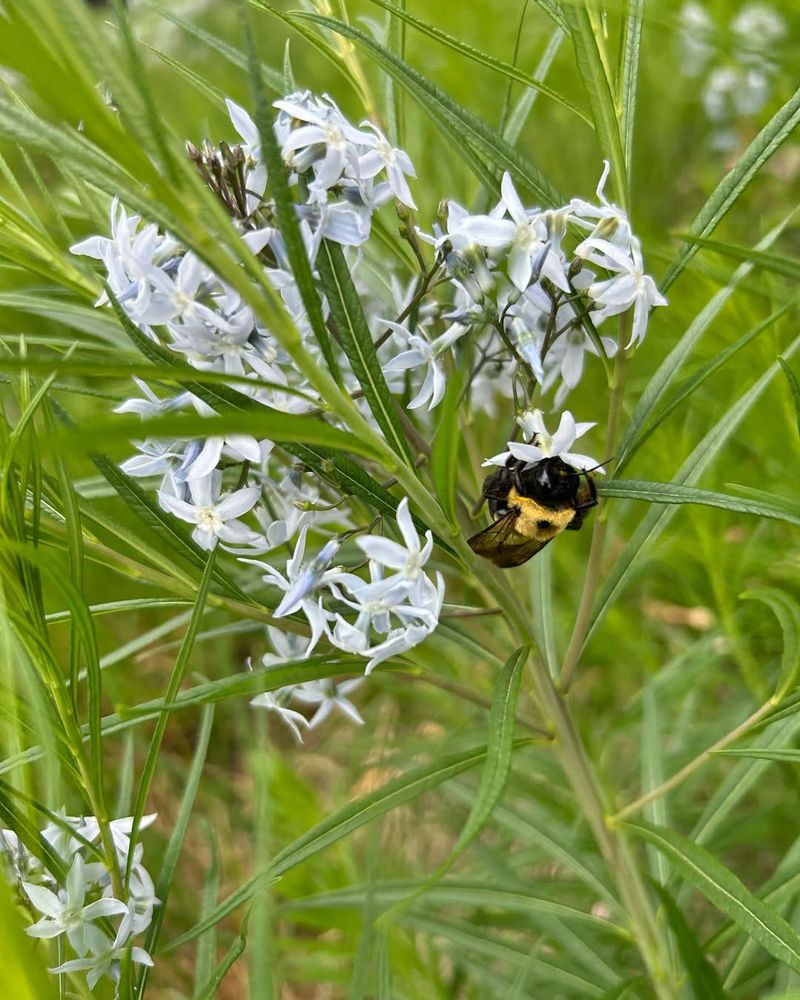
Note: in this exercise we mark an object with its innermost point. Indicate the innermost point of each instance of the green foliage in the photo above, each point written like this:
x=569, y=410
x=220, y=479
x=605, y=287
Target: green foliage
x=480, y=836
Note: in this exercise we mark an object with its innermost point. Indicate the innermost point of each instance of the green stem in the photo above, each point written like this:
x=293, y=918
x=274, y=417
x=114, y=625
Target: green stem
x=680, y=776
x=613, y=843
x=592, y=578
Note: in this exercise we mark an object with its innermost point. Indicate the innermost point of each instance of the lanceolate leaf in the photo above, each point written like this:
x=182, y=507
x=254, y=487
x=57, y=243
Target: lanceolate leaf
x=726, y=891
x=261, y=422
x=628, y=73
x=356, y=341
x=699, y=377
x=794, y=385
x=704, y=978
x=343, y=822
x=675, y=493
x=789, y=267
x=598, y=90
x=669, y=368
x=787, y=611
x=655, y=520
x=445, y=451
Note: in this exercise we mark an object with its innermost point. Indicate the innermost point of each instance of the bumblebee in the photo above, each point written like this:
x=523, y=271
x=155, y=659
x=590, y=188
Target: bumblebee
x=531, y=504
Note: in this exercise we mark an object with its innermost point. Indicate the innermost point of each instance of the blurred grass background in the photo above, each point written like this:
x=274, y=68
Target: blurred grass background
x=679, y=646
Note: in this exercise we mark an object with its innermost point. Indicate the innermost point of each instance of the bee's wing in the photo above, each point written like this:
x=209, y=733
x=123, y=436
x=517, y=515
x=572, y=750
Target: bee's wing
x=502, y=543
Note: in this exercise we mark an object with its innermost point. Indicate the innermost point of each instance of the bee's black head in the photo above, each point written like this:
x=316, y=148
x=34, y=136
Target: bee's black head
x=550, y=481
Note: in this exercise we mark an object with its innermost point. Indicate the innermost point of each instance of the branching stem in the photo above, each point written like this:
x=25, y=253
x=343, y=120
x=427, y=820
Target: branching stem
x=680, y=776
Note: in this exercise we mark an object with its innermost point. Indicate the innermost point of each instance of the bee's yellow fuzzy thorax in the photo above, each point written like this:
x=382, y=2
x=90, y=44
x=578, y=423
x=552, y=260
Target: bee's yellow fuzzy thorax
x=536, y=521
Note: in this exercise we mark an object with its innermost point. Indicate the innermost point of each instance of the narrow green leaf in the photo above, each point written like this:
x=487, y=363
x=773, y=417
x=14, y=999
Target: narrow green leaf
x=476, y=942
x=794, y=385
x=784, y=755
x=687, y=388
x=210, y=989
x=555, y=10
x=15, y=819
x=445, y=450
x=164, y=524
x=669, y=368
x=768, y=141
x=285, y=210
x=173, y=688
x=247, y=684
x=704, y=978
x=598, y=90
x=209, y=92
x=271, y=77
x=790, y=506
x=742, y=780
x=341, y=823
x=455, y=119
x=656, y=519
x=482, y=58
x=261, y=422
x=315, y=39
x=543, y=609
x=778, y=263
x=628, y=73
x=675, y=493
x=151, y=121
x=356, y=341
x=499, y=746
x=518, y=117
x=207, y=944
x=653, y=775
x=494, y=775
x=174, y=846
x=787, y=611
x=506, y=898
x=726, y=891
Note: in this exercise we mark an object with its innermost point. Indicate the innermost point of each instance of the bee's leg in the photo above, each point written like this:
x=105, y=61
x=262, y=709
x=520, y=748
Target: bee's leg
x=577, y=521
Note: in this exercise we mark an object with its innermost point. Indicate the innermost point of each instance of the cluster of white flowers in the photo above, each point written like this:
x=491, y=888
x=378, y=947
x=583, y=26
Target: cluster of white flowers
x=515, y=294
x=379, y=618
x=737, y=75
x=77, y=908
x=516, y=284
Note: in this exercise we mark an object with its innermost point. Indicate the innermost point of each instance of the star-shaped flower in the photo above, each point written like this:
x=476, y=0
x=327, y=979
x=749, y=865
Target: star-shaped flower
x=548, y=445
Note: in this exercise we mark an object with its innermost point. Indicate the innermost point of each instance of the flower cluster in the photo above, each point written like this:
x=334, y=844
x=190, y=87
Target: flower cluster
x=83, y=909
x=379, y=618
x=516, y=286
x=513, y=296
x=737, y=84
